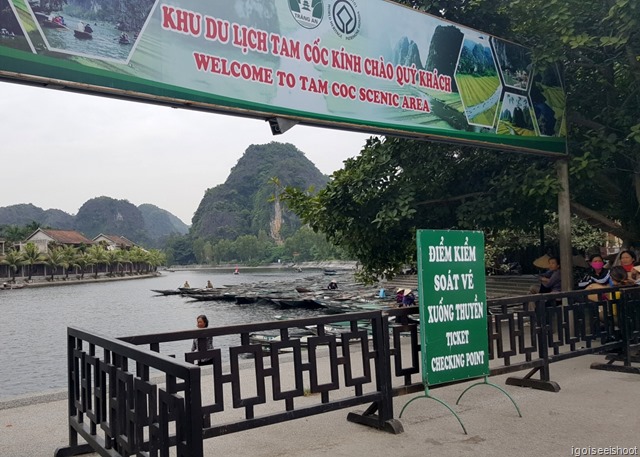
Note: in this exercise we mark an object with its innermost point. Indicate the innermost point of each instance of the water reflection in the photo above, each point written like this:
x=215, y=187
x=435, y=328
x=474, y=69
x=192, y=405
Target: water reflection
x=105, y=41
x=34, y=321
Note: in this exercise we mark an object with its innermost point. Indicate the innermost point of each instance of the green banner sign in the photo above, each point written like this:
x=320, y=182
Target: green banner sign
x=453, y=310
x=353, y=64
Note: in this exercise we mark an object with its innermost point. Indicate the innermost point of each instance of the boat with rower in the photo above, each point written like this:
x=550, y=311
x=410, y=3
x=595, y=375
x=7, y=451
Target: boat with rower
x=82, y=35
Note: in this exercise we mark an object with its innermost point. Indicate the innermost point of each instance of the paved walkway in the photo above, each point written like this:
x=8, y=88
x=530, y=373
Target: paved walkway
x=593, y=409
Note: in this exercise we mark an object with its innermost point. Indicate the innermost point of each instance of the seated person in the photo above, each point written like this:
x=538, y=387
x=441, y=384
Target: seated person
x=627, y=260
x=620, y=277
x=332, y=285
x=597, y=274
x=550, y=280
x=408, y=299
x=399, y=296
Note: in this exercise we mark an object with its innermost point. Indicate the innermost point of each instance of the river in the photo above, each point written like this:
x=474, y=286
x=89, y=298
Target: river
x=34, y=321
x=104, y=42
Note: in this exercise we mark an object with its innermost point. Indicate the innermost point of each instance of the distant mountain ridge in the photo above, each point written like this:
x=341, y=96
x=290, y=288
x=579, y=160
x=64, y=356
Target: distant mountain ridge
x=26, y=213
x=146, y=224
x=244, y=204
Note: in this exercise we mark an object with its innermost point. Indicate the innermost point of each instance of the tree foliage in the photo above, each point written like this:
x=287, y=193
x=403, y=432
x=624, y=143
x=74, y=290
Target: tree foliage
x=597, y=45
x=373, y=206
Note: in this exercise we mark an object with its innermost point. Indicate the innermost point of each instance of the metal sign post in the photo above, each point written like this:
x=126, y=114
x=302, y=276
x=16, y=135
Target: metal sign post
x=453, y=310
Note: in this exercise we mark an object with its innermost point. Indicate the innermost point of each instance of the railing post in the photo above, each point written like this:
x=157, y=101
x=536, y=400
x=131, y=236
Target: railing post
x=542, y=336
x=384, y=406
x=627, y=307
x=194, y=402
x=73, y=448
x=383, y=372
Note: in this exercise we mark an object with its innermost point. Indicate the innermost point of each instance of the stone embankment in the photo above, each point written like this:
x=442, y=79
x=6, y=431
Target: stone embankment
x=46, y=282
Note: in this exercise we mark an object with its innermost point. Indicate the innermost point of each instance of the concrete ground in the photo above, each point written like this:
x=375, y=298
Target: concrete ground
x=594, y=409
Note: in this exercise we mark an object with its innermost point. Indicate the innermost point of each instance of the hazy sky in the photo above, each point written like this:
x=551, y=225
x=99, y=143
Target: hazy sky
x=60, y=149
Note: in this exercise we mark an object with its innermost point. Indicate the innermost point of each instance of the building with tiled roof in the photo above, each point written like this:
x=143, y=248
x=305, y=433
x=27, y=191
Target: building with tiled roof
x=43, y=238
x=113, y=242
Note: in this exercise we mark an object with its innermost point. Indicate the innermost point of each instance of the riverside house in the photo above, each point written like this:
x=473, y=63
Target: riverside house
x=46, y=238
x=113, y=242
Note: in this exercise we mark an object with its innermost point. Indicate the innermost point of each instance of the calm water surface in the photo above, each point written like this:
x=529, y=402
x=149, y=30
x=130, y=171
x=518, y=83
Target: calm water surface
x=34, y=321
x=103, y=44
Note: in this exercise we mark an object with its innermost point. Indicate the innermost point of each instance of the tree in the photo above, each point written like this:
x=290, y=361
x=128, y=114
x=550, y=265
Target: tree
x=115, y=260
x=83, y=261
x=307, y=245
x=155, y=258
x=224, y=251
x=246, y=248
x=137, y=256
x=598, y=45
x=13, y=259
x=373, y=206
x=55, y=259
x=180, y=250
x=15, y=234
x=70, y=255
x=97, y=256
x=31, y=255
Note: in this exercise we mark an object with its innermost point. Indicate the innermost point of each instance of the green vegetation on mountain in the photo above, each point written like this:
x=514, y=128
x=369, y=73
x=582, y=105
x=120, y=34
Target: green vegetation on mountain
x=244, y=220
x=147, y=224
x=245, y=204
x=160, y=223
x=24, y=214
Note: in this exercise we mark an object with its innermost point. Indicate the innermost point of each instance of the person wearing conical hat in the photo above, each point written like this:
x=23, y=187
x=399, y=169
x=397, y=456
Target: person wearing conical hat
x=409, y=299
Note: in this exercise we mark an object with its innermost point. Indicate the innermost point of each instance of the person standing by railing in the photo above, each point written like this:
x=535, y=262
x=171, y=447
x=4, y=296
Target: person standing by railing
x=202, y=322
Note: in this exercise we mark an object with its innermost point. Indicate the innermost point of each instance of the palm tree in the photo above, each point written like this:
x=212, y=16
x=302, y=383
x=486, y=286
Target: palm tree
x=114, y=258
x=83, y=261
x=125, y=258
x=156, y=258
x=14, y=233
x=70, y=254
x=137, y=256
x=13, y=259
x=97, y=255
x=54, y=259
x=31, y=255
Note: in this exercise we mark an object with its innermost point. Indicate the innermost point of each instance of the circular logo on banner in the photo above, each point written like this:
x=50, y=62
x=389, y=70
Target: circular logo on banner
x=345, y=18
x=307, y=13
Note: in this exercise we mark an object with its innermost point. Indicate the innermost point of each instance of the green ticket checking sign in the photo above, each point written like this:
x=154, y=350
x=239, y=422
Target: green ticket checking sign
x=453, y=309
